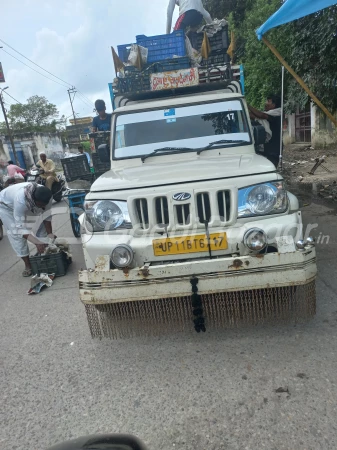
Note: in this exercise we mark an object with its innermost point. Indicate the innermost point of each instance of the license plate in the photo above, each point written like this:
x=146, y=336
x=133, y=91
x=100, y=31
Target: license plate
x=190, y=244
x=31, y=179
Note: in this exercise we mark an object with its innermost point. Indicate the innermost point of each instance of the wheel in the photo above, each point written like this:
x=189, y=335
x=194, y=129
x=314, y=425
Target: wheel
x=75, y=225
x=1, y=231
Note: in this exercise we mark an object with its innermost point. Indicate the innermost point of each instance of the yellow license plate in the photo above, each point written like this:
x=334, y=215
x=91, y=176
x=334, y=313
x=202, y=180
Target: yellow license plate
x=190, y=244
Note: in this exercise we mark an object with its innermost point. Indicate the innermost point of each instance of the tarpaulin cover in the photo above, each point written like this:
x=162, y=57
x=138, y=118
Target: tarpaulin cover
x=292, y=10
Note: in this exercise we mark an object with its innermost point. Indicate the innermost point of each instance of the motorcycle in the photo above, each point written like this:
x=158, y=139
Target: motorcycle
x=58, y=188
x=106, y=442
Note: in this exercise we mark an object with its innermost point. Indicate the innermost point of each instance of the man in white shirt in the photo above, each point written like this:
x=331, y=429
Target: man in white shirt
x=191, y=14
x=18, y=204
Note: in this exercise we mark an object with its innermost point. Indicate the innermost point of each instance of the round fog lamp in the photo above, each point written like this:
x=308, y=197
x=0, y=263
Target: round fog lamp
x=122, y=256
x=255, y=240
x=300, y=245
x=311, y=241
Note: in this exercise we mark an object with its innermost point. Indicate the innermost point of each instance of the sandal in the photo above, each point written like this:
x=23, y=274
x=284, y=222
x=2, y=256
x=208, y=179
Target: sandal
x=27, y=273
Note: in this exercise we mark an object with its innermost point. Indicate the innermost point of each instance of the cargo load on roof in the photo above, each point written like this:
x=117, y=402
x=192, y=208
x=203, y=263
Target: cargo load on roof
x=173, y=61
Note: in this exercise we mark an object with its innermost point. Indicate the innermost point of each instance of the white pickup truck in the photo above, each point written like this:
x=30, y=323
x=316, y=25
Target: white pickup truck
x=191, y=229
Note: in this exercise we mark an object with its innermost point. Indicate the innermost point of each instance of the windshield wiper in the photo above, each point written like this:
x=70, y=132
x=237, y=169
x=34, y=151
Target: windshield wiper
x=223, y=141
x=171, y=150
x=174, y=150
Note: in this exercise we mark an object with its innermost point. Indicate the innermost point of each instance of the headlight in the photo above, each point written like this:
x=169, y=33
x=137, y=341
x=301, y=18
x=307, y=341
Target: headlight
x=107, y=215
x=263, y=199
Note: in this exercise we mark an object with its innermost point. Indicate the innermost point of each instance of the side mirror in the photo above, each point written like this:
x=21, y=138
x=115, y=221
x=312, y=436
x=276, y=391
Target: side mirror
x=106, y=442
x=260, y=135
x=103, y=152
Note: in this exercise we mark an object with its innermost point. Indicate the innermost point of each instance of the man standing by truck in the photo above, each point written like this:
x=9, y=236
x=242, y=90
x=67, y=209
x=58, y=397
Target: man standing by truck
x=272, y=114
x=191, y=14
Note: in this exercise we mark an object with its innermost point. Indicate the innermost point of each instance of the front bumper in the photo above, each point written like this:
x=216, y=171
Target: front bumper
x=228, y=274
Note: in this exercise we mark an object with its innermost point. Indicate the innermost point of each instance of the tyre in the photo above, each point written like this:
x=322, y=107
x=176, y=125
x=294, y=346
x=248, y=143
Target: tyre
x=1, y=231
x=75, y=225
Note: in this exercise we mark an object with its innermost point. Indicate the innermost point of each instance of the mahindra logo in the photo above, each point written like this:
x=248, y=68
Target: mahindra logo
x=182, y=197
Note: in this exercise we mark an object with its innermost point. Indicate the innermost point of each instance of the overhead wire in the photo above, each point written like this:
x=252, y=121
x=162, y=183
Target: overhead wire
x=50, y=73
x=85, y=100
x=42, y=68
x=33, y=69
x=17, y=101
x=86, y=103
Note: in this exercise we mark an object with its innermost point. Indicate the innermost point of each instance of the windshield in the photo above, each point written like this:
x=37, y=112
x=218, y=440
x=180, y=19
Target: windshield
x=142, y=133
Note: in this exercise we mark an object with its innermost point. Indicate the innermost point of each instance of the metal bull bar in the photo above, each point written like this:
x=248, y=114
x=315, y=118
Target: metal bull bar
x=160, y=300
x=227, y=309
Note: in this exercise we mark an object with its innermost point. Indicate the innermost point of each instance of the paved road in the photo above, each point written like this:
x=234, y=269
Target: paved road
x=214, y=392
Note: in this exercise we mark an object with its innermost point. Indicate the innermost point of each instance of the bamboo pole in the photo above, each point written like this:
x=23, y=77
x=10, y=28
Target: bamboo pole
x=282, y=116
x=300, y=81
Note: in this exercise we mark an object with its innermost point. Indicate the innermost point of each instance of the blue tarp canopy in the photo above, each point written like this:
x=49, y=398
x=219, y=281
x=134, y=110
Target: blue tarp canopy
x=292, y=10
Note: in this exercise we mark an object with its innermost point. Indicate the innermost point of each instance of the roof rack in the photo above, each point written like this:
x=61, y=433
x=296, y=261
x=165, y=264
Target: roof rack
x=229, y=85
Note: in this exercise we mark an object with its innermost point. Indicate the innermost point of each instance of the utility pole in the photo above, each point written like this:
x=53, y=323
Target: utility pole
x=70, y=92
x=8, y=128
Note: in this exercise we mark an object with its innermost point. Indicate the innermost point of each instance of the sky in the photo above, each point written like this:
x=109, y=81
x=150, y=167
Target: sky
x=72, y=39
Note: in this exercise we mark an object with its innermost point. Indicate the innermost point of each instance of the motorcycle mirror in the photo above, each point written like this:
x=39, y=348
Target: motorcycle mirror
x=102, y=442
x=104, y=153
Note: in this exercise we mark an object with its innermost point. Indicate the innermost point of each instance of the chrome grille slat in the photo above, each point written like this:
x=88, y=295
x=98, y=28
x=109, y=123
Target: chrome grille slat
x=161, y=211
x=204, y=207
x=224, y=205
x=183, y=214
x=143, y=213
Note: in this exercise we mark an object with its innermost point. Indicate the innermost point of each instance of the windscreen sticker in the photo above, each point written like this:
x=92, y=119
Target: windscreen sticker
x=171, y=120
x=120, y=128
x=169, y=112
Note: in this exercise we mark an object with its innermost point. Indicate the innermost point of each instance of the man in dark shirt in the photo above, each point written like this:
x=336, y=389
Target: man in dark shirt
x=272, y=113
x=102, y=122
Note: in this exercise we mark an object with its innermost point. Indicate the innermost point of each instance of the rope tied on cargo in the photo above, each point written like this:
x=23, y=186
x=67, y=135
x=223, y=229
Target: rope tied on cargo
x=198, y=310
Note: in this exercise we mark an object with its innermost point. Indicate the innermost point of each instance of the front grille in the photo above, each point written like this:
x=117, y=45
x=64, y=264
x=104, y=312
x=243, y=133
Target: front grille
x=162, y=212
x=204, y=207
x=143, y=213
x=224, y=204
x=183, y=214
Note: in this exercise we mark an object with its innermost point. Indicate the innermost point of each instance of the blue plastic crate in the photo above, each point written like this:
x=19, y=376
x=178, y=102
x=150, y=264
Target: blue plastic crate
x=163, y=46
x=124, y=51
x=168, y=65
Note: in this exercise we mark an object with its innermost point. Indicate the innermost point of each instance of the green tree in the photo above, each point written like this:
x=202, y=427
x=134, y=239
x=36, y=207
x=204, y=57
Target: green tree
x=262, y=69
x=233, y=9
x=308, y=45
x=313, y=56
x=34, y=116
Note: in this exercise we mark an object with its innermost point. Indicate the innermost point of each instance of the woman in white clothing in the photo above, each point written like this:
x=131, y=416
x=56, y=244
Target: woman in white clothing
x=18, y=203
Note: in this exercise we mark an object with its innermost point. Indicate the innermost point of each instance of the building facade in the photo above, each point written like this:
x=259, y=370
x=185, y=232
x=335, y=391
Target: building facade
x=310, y=126
x=79, y=132
x=28, y=147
